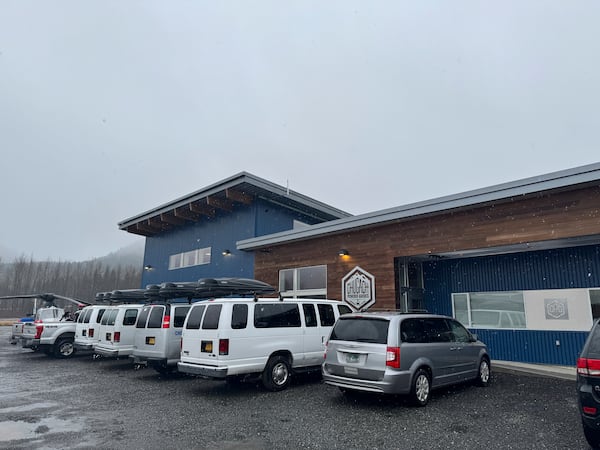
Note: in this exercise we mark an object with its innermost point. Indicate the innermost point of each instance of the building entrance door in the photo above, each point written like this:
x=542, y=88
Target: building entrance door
x=409, y=285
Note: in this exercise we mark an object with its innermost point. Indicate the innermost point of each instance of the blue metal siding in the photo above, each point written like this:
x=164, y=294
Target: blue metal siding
x=577, y=267
x=532, y=346
x=220, y=233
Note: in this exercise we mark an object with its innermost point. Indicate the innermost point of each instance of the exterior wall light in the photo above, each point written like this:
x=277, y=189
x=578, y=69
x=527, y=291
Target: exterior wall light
x=148, y=267
x=226, y=252
x=343, y=252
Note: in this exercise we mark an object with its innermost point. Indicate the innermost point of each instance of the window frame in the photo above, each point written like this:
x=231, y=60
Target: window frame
x=296, y=291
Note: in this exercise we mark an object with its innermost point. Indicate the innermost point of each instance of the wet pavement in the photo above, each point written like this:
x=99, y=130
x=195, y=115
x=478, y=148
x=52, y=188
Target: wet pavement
x=48, y=403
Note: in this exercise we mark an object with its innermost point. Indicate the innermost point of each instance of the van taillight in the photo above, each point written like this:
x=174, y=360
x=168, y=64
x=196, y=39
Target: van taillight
x=166, y=321
x=223, y=346
x=91, y=332
x=589, y=367
x=117, y=336
x=392, y=357
x=38, y=330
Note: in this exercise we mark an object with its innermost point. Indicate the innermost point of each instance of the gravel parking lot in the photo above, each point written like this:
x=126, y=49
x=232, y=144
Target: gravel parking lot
x=46, y=403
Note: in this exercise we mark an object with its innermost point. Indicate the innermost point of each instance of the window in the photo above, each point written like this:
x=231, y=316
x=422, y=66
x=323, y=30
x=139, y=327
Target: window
x=460, y=333
x=141, y=323
x=239, y=317
x=112, y=317
x=194, y=317
x=310, y=316
x=344, y=309
x=326, y=314
x=211, y=318
x=196, y=257
x=374, y=331
x=490, y=309
x=595, y=302
x=303, y=282
x=156, y=317
x=279, y=315
x=100, y=314
x=180, y=314
x=130, y=317
x=437, y=330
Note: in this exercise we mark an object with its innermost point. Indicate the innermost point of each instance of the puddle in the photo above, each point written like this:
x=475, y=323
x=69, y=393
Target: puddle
x=28, y=407
x=13, y=431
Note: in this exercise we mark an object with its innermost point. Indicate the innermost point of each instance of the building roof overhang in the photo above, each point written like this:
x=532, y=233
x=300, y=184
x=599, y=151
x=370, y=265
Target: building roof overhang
x=569, y=179
x=243, y=188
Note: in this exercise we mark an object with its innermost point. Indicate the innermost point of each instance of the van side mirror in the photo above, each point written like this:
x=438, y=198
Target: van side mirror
x=474, y=337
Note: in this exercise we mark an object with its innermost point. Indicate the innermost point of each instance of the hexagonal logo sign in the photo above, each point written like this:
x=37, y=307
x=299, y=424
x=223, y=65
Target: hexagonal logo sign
x=556, y=309
x=358, y=289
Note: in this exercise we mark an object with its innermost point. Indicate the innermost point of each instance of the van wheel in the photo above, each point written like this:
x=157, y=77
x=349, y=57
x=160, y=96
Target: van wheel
x=276, y=375
x=483, y=374
x=64, y=348
x=421, y=388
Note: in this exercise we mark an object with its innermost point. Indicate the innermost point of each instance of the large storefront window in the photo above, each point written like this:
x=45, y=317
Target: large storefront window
x=303, y=282
x=490, y=309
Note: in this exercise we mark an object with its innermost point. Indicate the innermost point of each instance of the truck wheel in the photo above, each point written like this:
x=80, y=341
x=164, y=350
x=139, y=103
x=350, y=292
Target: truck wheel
x=276, y=376
x=64, y=348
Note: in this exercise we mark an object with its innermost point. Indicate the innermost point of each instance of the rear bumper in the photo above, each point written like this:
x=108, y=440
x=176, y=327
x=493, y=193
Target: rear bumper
x=83, y=347
x=588, y=399
x=107, y=352
x=30, y=343
x=392, y=382
x=203, y=371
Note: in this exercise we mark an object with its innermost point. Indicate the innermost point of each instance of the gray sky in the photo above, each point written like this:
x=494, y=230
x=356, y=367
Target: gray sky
x=110, y=108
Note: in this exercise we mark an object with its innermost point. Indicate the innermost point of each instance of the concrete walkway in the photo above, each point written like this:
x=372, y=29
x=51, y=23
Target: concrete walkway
x=564, y=372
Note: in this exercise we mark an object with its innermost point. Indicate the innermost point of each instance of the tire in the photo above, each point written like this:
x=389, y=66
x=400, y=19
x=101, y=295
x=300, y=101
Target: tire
x=483, y=373
x=64, y=348
x=592, y=435
x=421, y=388
x=277, y=374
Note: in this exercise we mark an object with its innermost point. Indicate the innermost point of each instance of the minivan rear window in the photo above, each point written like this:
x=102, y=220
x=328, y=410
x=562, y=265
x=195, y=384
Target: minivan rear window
x=361, y=329
x=194, y=317
x=277, y=315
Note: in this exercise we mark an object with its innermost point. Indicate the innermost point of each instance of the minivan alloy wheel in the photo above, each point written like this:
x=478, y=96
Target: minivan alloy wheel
x=483, y=378
x=421, y=389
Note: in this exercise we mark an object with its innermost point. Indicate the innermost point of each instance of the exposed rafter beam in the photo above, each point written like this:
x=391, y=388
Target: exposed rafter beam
x=171, y=219
x=185, y=213
x=202, y=208
x=220, y=203
x=238, y=196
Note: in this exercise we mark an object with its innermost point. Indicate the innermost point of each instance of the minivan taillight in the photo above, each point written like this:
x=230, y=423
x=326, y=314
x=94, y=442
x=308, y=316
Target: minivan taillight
x=38, y=331
x=117, y=336
x=392, y=357
x=166, y=321
x=91, y=332
x=223, y=346
x=589, y=367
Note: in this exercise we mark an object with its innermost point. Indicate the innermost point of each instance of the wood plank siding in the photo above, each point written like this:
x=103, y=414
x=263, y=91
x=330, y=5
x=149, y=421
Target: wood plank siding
x=557, y=215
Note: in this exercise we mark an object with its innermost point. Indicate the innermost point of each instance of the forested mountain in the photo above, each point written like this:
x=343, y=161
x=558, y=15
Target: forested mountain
x=82, y=280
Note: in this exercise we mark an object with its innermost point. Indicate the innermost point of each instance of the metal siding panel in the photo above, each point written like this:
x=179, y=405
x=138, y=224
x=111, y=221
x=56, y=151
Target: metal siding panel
x=531, y=346
x=577, y=267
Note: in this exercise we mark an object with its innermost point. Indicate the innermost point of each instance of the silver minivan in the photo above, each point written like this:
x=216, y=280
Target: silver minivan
x=402, y=353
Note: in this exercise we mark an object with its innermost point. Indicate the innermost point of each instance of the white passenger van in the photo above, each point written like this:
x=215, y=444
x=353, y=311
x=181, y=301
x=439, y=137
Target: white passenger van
x=235, y=338
x=158, y=329
x=117, y=331
x=86, y=330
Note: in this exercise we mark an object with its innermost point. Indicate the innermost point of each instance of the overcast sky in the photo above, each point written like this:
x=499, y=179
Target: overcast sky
x=111, y=108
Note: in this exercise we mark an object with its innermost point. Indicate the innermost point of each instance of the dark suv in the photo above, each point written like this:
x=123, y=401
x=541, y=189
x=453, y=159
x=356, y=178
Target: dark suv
x=588, y=386
x=399, y=353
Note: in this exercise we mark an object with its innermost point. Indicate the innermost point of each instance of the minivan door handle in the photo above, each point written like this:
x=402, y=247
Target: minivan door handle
x=455, y=348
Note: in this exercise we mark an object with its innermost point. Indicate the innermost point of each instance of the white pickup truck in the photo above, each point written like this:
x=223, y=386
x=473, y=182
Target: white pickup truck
x=52, y=332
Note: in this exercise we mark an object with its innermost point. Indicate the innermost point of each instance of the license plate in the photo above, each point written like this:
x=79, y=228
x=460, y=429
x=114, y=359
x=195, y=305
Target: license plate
x=206, y=346
x=352, y=358
x=150, y=340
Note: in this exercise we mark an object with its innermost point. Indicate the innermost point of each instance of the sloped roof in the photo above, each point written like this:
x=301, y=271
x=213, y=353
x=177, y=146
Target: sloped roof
x=242, y=188
x=555, y=181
